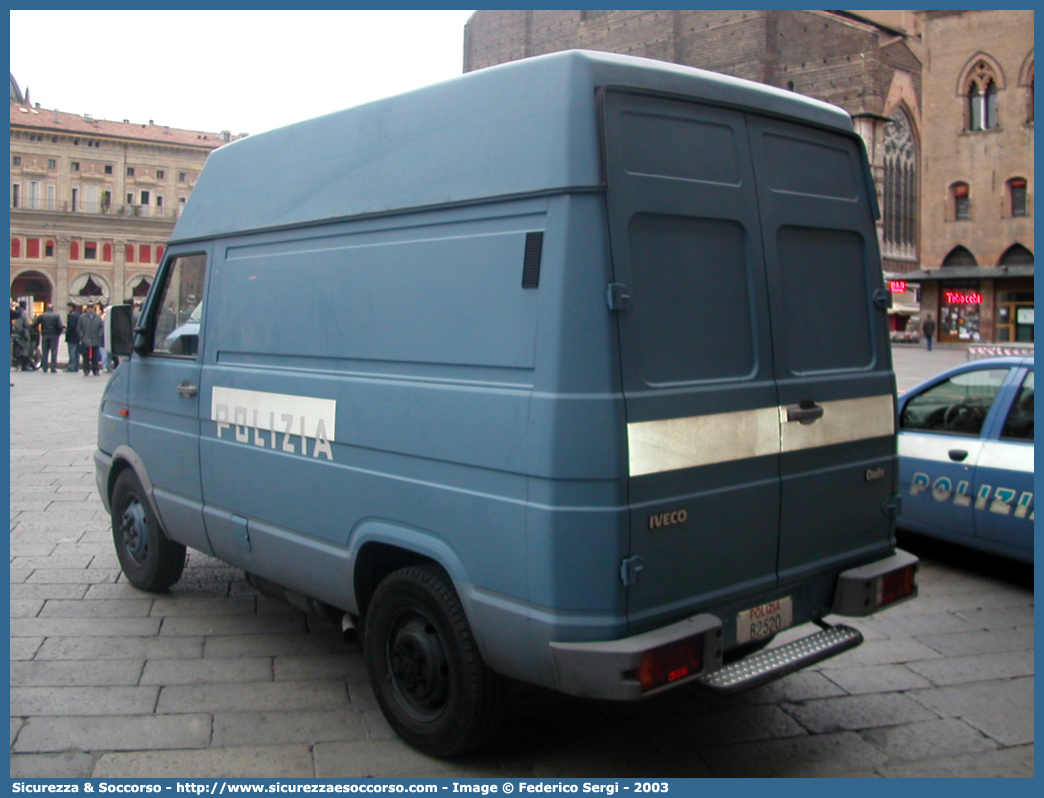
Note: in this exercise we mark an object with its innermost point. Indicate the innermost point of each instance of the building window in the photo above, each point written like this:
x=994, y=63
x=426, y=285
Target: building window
x=1017, y=196
x=107, y=253
x=16, y=195
x=981, y=90
x=108, y=169
x=74, y=250
x=182, y=177
x=159, y=254
x=145, y=197
x=145, y=253
x=959, y=256
x=129, y=253
x=49, y=249
x=16, y=160
x=16, y=248
x=90, y=250
x=75, y=166
x=130, y=198
x=32, y=247
x=1016, y=255
x=52, y=163
x=130, y=171
x=960, y=200
x=159, y=174
x=900, y=188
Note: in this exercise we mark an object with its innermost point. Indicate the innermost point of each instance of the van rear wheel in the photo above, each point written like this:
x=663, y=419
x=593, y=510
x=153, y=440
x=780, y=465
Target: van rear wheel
x=425, y=667
x=150, y=559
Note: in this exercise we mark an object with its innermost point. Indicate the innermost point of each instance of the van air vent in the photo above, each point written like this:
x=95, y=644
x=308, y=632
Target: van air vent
x=531, y=261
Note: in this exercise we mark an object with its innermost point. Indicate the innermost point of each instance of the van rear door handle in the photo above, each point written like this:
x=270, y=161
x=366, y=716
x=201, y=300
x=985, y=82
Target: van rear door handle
x=958, y=455
x=187, y=389
x=805, y=413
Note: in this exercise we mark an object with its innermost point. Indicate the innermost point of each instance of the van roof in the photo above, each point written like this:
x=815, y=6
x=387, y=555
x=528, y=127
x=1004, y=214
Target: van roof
x=525, y=127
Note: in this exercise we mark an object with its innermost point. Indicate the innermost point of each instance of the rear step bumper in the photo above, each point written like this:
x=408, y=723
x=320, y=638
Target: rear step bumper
x=771, y=663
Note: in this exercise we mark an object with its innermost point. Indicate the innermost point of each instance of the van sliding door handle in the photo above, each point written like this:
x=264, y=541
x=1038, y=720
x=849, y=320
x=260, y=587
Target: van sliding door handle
x=805, y=413
x=188, y=390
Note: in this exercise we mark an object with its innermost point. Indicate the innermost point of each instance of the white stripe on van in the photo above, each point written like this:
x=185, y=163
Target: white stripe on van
x=675, y=443
x=304, y=416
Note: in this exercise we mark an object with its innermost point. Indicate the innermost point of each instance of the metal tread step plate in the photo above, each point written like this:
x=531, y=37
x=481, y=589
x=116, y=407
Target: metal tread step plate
x=772, y=663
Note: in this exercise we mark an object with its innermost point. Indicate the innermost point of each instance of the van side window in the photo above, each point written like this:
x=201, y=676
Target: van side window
x=180, y=309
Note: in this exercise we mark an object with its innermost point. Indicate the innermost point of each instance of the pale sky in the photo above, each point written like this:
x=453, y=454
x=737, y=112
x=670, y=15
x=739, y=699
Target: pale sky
x=241, y=71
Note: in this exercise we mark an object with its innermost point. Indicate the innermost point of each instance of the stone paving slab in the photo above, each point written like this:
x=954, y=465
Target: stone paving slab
x=1001, y=709
x=212, y=680
x=136, y=733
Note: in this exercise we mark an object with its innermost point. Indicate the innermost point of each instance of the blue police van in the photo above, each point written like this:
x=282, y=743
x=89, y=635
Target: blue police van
x=593, y=388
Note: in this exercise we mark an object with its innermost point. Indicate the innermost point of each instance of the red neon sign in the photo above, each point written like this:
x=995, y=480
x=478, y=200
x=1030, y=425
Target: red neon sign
x=955, y=298
x=897, y=286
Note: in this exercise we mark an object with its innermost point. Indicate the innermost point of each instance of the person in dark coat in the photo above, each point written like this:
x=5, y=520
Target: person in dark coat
x=50, y=327
x=72, y=336
x=928, y=328
x=91, y=332
x=21, y=345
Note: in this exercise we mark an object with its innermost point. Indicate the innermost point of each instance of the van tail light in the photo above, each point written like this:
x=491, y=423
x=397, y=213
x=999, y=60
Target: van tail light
x=863, y=590
x=896, y=585
x=669, y=663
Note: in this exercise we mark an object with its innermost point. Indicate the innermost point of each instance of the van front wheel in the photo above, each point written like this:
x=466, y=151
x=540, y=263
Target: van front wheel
x=425, y=667
x=150, y=559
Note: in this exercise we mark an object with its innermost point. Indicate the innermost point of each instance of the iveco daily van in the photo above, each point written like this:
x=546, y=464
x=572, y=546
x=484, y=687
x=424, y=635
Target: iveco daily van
x=573, y=371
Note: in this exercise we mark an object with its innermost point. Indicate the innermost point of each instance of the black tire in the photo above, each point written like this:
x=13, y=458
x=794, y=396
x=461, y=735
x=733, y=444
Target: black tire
x=150, y=559
x=426, y=670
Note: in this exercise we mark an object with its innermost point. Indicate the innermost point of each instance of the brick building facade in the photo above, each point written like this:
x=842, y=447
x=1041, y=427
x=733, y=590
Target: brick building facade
x=884, y=69
x=93, y=202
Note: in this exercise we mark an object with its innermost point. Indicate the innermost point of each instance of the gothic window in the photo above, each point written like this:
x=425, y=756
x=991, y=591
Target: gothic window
x=959, y=256
x=981, y=90
x=1016, y=255
x=900, y=188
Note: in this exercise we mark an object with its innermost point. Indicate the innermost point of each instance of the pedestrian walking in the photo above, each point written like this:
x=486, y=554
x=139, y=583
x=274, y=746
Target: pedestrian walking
x=50, y=326
x=928, y=329
x=90, y=340
x=72, y=336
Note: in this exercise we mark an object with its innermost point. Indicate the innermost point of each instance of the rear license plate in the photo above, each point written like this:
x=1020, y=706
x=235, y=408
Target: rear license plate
x=764, y=621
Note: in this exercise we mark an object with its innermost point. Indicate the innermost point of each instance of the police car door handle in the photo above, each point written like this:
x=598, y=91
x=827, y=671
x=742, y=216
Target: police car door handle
x=188, y=390
x=958, y=455
x=805, y=413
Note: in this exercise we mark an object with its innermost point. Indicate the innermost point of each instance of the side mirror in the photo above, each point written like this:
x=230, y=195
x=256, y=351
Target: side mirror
x=121, y=326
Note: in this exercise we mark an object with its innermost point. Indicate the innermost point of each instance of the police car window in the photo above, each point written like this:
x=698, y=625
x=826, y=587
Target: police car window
x=956, y=406
x=180, y=309
x=1019, y=424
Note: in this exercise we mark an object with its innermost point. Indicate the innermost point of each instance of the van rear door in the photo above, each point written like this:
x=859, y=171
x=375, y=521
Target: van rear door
x=736, y=311
x=830, y=346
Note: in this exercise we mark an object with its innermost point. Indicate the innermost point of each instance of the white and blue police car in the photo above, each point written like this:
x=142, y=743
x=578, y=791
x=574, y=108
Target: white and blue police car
x=966, y=456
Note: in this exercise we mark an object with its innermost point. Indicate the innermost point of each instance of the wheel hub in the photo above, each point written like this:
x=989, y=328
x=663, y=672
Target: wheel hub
x=418, y=667
x=134, y=529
